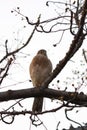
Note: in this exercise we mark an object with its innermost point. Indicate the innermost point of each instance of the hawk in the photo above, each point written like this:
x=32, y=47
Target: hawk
x=40, y=69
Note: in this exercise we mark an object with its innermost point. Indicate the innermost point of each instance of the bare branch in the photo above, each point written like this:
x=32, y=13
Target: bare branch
x=72, y=97
x=76, y=44
x=66, y=111
x=12, y=119
x=6, y=69
x=23, y=46
x=6, y=47
x=84, y=54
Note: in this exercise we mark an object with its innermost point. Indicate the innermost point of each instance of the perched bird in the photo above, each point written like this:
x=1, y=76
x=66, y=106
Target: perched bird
x=40, y=69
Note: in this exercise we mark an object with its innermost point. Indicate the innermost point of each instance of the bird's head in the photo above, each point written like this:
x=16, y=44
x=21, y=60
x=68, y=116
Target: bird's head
x=43, y=52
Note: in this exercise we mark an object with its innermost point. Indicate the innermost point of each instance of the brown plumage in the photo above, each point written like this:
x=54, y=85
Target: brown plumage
x=40, y=69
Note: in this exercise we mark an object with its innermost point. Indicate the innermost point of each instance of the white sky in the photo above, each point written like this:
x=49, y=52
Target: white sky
x=11, y=27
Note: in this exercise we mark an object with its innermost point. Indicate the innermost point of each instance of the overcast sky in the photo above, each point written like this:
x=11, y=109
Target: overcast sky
x=11, y=27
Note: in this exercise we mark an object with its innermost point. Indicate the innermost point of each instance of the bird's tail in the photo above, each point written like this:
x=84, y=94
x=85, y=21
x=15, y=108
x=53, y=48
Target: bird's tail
x=37, y=104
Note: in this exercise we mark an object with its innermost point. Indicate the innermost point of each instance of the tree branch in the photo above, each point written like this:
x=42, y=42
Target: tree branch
x=24, y=45
x=74, y=47
x=71, y=97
